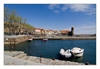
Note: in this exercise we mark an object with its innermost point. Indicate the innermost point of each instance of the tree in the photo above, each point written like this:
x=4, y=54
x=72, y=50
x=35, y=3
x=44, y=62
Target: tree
x=12, y=20
x=15, y=23
x=18, y=23
x=12, y=17
x=6, y=15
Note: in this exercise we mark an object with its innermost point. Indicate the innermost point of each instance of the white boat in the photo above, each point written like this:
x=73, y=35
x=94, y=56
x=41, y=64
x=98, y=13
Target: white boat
x=77, y=52
x=66, y=54
x=29, y=40
x=45, y=39
x=62, y=52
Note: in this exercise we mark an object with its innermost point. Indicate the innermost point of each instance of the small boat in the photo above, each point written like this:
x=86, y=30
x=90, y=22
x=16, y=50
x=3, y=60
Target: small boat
x=77, y=52
x=65, y=53
x=68, y=54
x=29, y=40
x=45, y=39
x=62, y=52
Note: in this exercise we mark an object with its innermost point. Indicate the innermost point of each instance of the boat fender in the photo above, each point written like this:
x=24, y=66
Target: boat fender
x=53, y=58
x=87, y=63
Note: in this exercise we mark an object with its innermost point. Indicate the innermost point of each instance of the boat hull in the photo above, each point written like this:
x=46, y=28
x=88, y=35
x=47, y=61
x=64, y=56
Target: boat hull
x=68, y=55
x=45, y=40
x=29, y=40
x=77, y=54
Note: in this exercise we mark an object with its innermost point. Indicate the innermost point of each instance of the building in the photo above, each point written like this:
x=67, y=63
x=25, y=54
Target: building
x=67, y=32
x=51, y=32
x=40, y=31
x=55, y=32
x=64, y=32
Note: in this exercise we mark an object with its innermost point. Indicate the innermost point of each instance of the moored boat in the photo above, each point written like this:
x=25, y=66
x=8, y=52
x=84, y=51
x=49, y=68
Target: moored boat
x=68, y=54
x=65, y=53
x=45, y=39
x=77, y=52
x=29, y=40
x=62, y=52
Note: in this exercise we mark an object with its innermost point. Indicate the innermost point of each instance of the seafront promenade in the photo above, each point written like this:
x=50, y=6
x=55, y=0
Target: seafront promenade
x=20, y=58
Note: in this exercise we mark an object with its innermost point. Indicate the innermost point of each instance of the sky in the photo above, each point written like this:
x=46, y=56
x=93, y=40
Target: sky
x=59, y=16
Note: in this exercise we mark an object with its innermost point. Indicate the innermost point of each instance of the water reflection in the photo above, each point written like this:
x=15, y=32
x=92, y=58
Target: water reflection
x=75, y=59
x=19, y=47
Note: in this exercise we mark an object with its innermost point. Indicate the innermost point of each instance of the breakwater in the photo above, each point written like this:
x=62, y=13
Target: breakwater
x=22, y=38
x=16, y=39
x=66, y=38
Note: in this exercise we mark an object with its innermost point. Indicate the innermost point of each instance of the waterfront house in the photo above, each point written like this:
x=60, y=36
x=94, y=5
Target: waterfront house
x=51, y=32
x=46, y=31
x=67, y=32
x=64, y=32
x=37, y=31
x=55, y=31
x=41, y=31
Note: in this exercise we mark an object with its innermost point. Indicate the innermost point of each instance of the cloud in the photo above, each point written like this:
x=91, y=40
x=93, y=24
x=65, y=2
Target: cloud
x=56, y=11
x=88, y=27
x=53, y=6
x=80, y=7
x=85, y=8
x=85, y=29
x=65, y=7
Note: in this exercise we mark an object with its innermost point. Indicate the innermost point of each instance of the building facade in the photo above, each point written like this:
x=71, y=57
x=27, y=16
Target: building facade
x=67, y=32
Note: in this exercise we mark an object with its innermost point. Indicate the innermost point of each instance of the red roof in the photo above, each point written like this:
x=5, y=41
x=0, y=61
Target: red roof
x=39, y=29
x=64, y=31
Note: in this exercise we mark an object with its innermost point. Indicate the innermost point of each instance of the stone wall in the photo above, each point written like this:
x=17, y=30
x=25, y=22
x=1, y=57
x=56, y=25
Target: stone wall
x=16, y=39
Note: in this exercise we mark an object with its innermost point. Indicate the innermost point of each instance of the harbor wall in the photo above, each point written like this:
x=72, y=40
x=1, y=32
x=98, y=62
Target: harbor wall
x=22, y=38
x=16, y=39
x=66, y=38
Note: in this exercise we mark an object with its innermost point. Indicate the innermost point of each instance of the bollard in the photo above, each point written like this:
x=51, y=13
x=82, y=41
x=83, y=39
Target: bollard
x=87, y=63
x=10, y=46
x=14, y=45
x=40, y=58
x=28, y=49
x=53, y=58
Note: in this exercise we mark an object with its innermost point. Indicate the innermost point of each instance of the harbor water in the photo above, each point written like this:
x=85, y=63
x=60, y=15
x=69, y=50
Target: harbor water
x=51, y=49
